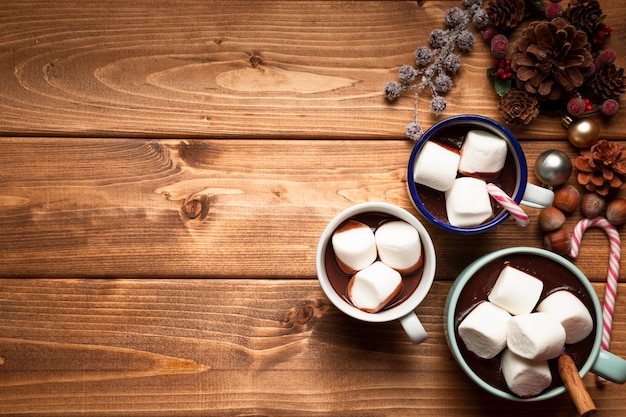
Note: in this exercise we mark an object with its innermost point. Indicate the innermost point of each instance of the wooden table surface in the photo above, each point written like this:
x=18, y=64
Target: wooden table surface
x=161, y=200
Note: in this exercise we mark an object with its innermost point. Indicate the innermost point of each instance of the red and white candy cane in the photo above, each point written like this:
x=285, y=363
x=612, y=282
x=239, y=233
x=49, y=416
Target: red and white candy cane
x=613, y=272
x=520, y=216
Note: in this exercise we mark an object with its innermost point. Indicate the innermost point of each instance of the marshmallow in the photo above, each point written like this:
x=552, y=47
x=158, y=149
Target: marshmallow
x=535, y=336
x=571, y=312
x=468, y=202
x=516, y=291
x=482, y=154
x=354, y=246
x=436, y=166
x=374, y=287
x=399, y=246
x=524, y=377
x=483, y=330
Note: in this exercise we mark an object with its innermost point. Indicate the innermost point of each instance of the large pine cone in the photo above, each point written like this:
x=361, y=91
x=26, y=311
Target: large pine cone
x=551, y=58
x=602, y=168
x=505, y=14
x=608, y=82
x=586, y=16
x=518, y=108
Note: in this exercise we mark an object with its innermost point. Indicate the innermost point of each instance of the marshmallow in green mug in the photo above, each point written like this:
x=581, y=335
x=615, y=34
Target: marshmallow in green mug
x=480, y=275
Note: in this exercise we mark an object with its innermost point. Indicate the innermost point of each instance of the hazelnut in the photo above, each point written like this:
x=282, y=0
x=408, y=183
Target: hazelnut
x=558, y=241
x=616, y=211
x=592, y=205
x=567, y=198
x=551, y=219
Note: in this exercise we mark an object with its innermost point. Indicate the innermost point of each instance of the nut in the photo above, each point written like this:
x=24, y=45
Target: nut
x=592, y=205
x=567, y=198
x=551, y=219
x=616, y=211
x=558, y=241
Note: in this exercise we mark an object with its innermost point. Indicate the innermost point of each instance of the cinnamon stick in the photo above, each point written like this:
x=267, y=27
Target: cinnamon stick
x=574, y=385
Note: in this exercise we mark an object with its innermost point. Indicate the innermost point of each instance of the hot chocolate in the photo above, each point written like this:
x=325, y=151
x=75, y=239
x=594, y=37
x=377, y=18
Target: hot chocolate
x=452, y=137
x=555, y=277
x=339, y=280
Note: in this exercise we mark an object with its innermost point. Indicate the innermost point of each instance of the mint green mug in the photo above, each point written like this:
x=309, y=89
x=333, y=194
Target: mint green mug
x=472, y=286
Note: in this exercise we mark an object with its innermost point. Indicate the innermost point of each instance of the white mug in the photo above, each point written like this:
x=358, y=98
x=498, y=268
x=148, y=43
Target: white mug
x=403, y=311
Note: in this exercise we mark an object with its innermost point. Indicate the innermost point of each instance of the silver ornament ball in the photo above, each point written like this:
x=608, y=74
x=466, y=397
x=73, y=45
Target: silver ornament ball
x=553, y=167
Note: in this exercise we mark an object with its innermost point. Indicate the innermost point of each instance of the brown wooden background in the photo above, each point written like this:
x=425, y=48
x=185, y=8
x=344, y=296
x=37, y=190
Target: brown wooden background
x=166, y=170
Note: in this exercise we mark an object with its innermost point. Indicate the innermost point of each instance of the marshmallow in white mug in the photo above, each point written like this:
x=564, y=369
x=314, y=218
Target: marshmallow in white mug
x=468, y=202
x=436, y=166
x=399, y=246
x=516, y=291
x=535, y=336
x=571, y=312
x=483, y=330
x=354, y=246
x=482, y=154
x=373, y=287
x=524, y=377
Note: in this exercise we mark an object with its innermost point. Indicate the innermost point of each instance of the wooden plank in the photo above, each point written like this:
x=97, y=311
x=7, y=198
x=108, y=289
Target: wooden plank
x=234, y=347
x=214, y=208
x=277, y=69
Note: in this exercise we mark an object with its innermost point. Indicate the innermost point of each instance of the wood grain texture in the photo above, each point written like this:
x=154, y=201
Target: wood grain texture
x=232, y=68
x=160, y=208
x=235, y=347
x=215, y=208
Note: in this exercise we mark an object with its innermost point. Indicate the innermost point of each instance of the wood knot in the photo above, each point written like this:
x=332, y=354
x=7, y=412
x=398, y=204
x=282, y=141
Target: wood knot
x=304, y=314
x=195, y=209
x=300, y=318
x=256, y=61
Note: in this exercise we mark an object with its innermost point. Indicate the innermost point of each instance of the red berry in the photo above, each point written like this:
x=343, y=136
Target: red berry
x=576, y=106
x=488, y=34
x=609, y=107
x=499, y=46
x=605, y=56
x=553, y=11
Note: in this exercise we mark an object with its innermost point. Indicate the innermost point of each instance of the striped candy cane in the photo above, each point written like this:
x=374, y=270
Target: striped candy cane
x=520, y=216
x=613, y=272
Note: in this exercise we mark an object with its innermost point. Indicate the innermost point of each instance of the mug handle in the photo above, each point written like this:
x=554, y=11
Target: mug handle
x=413, y=327
x=610, y=367
x=537, y=197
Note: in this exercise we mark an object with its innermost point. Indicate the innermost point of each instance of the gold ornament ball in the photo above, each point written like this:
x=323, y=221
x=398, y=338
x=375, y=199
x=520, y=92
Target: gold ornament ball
x=581, y=133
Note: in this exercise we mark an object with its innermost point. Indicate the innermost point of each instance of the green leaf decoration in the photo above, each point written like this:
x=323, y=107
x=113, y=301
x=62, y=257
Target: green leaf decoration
x=538, y=5
x=587, y=91
x=502, y=86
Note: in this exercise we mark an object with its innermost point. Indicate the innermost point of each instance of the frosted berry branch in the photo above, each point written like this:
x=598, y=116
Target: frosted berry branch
x=436, y=64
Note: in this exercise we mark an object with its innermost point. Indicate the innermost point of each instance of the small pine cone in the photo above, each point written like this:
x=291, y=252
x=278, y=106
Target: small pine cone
x=518, y=108
x=505, y=14
x=602, y=168
x=585, y=16
x=609, y=82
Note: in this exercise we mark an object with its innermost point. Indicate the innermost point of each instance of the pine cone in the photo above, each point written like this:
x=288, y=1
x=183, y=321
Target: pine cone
x=518, y=108
x=608, y=82
x=551, y=58
x=602, y=168
x=505, y=14
x=586, y=16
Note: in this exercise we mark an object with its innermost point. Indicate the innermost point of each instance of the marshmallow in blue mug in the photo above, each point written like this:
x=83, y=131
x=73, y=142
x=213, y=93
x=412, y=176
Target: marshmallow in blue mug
x=451, y=164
